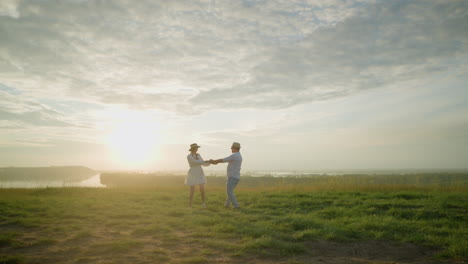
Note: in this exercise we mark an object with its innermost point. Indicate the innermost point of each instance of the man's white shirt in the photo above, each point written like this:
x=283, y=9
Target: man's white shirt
x=234, y=166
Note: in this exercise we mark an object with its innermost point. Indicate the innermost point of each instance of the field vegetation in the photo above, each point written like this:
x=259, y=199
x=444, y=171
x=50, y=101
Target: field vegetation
x=282, y=220
x=385, y=182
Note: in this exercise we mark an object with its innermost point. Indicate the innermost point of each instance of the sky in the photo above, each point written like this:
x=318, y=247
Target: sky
x=302, y=85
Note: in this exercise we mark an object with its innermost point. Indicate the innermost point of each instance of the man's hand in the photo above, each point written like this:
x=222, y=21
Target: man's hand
x=214, y=162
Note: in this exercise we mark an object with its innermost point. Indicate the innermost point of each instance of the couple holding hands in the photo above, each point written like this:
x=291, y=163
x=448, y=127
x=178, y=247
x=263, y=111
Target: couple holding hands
x=196, y=176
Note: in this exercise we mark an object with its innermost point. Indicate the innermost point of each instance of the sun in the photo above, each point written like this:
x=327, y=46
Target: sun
x=134, y=142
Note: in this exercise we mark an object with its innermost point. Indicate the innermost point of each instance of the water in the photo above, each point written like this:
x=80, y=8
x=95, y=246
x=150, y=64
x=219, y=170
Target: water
x=94, y=181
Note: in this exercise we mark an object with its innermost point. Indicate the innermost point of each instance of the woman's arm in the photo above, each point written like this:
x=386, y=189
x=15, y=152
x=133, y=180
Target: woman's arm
x=217, y=161
x=206, y=163
x=193, y=162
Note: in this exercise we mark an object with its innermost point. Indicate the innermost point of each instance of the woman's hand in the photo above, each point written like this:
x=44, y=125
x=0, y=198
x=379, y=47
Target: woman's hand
x=210, y=161
x=215, y=161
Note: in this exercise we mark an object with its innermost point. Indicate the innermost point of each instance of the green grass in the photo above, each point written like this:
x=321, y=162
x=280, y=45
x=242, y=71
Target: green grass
x=11, y=259
x=88, y=225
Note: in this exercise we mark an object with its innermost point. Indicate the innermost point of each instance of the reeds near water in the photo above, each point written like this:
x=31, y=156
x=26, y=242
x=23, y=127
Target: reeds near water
x=425, y=181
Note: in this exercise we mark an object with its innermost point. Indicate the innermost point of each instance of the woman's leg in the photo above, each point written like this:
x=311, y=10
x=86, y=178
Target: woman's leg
x=192, y=190
x=202, y=192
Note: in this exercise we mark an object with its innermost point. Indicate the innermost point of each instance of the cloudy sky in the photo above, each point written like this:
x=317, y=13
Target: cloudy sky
x=302, y=85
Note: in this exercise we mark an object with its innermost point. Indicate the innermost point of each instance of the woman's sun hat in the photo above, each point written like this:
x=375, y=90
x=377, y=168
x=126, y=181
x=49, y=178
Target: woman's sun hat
x=193, y=146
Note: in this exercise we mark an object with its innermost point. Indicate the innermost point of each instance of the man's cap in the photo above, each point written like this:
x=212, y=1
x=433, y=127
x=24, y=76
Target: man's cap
x=236, y=145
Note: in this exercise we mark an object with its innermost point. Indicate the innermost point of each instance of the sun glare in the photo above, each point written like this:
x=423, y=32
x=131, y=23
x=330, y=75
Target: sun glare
x=134, y=142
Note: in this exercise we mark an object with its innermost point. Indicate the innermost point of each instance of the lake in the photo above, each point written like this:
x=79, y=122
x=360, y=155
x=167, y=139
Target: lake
x=94, y=181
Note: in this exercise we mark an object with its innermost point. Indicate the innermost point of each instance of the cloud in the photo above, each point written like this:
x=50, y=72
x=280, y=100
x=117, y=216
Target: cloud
x=7, y=124
x=389, y=45
x=18, y=113
x=195, y=56
x=9, y=8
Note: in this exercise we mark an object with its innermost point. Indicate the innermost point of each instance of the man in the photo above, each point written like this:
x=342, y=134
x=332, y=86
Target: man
x=233, y=174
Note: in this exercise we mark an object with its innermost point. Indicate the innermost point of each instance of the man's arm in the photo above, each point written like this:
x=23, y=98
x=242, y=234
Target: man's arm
x=208, y=163
x=227, y=159
x=216, y=161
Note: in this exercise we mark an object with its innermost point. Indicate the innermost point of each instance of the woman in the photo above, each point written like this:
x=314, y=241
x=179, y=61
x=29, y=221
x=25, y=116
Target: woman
x=195, y=175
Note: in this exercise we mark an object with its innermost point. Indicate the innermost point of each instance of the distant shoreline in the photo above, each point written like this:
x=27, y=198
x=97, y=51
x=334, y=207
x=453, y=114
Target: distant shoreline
x=296, y=172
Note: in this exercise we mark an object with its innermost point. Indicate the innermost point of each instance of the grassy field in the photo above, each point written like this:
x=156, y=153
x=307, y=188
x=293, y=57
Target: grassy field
x=276, y=224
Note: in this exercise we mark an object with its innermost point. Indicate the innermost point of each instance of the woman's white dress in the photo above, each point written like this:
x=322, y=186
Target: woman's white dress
x=195, y=175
